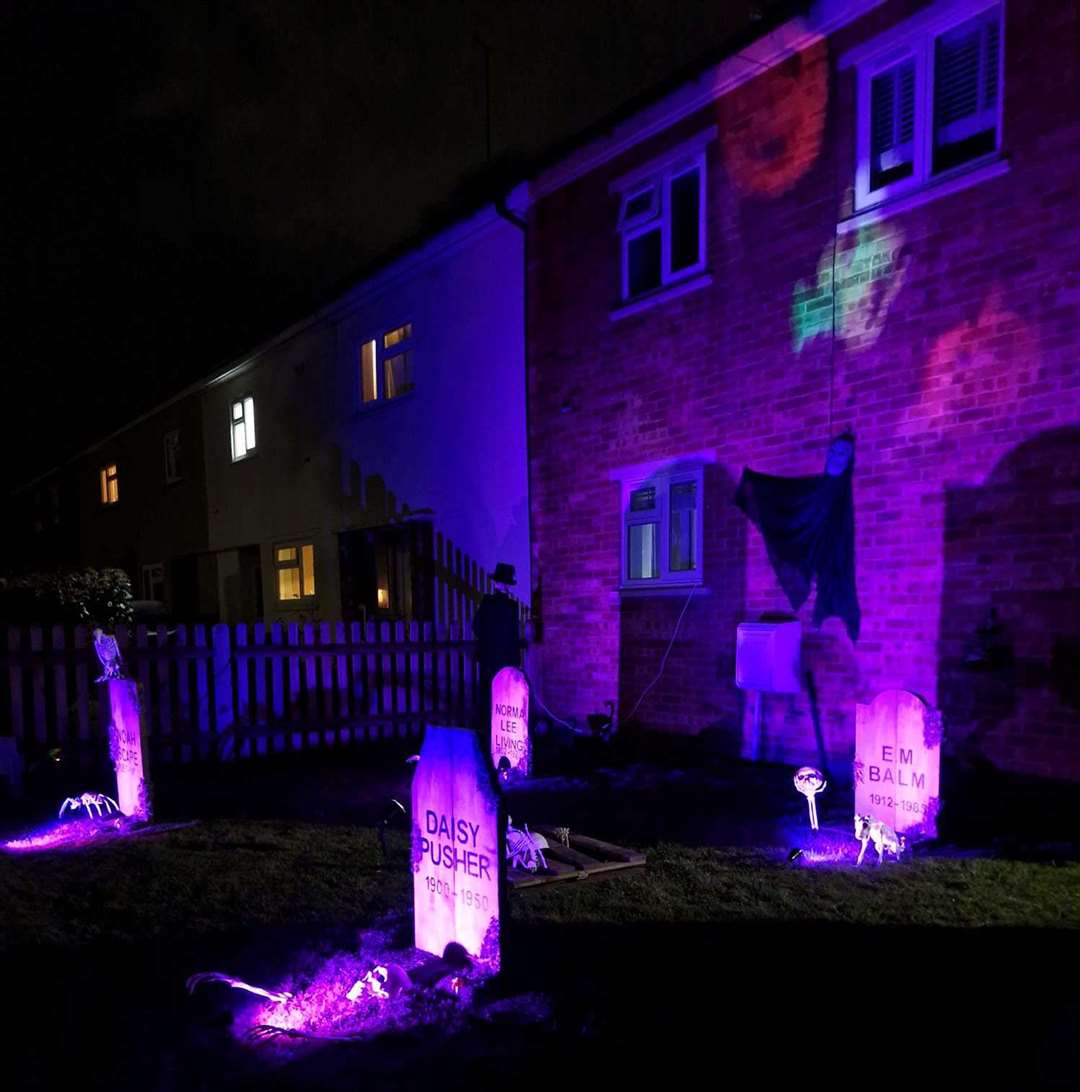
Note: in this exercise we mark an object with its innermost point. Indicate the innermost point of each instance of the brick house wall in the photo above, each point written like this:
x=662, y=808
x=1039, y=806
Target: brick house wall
x=955, y=362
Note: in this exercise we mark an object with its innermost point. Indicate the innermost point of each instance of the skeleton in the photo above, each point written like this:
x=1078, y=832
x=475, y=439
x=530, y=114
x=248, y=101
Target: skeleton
x=237, y=984
x=868, y=829
x=88, y=800
x=810, y=782
x=524, y=849
x=381, y=982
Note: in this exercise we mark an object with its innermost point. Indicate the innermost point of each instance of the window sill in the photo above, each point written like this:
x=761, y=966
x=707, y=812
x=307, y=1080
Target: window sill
x=245, y=458
x=661, y=295
x=377, y=404
x=942, y=187
x=636, y=591
x=297, y=604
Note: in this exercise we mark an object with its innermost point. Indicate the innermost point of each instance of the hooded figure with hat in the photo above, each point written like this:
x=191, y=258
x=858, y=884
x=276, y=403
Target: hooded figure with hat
x=497, y=634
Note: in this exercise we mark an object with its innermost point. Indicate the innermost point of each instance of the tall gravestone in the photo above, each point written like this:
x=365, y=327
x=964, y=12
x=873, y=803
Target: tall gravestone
x=898, y=763
x=458, y=834
x=125, y=730
x=510, y=721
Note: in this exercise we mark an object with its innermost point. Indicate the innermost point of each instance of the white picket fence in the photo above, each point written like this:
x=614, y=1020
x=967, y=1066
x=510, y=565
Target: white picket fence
x=235, y=691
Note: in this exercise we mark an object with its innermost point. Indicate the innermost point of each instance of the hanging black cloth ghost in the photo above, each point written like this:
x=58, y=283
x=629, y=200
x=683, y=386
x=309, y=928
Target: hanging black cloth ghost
x=809, y=529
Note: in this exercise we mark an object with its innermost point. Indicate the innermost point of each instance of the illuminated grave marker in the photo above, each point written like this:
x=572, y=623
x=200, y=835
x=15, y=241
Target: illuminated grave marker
x=457, y=840
x=510, y=721
x=897, y=763
x=125, y=731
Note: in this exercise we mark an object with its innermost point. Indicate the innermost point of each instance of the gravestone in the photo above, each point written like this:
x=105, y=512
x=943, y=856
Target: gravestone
x=126, y=751
x=898, y=763
x=510, y=721
x=457, y=846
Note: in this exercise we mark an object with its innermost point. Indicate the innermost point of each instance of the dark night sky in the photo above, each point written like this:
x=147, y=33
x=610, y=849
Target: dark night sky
x=179, y=180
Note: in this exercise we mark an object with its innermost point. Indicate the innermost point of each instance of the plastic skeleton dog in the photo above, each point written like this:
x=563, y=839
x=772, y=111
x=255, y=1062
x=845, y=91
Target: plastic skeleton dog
x=88, y=800
x=868, y=829
x=525, y=849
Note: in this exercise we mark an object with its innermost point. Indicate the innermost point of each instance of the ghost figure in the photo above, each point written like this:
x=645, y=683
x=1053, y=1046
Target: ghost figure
x=810, y=782
x=108, y=652
x=808, y=525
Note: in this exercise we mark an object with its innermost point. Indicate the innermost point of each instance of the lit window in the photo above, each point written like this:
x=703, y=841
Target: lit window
x=171, y=445
x=386, y=370
x=242, y=424
x=110, y=484
x=929, y=99
x=295, y=572
x=662, y=529
x=662, y=227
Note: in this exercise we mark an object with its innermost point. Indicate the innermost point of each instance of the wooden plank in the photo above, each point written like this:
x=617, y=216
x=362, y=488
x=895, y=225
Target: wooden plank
x=258, y=638
x=372, y=677
x=164, y=695
x=61, y=698
x=37, y=688
x=593, y=847
x=202, y=694
x=311, y=686
x=183, y=697
x=326, y=666
x=341, y=665
x=518, y=877
x=224, y=713
x=292, y=636
x=357, y=686
x=277, y=685
x=82, y=695
x=243, y=686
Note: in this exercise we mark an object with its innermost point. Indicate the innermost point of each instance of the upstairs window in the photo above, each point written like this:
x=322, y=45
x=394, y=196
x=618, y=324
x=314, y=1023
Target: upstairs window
x=171, y=446
x=929, y=100
x=242, y=424
x=295, y=567
x=386, y=365
x=110, y=484
x=662, y=529
x=662, y=227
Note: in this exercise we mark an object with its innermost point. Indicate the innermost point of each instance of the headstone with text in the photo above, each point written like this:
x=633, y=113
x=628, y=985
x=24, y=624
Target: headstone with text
x=898, y=763
x=457, y=846
x=510, y=721
x=126, y=749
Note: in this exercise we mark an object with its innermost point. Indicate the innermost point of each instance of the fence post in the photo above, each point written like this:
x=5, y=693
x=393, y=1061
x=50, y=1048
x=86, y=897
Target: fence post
x=224, y=718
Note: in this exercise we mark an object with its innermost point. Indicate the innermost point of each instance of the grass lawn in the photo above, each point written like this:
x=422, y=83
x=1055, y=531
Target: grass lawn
x=229, y=875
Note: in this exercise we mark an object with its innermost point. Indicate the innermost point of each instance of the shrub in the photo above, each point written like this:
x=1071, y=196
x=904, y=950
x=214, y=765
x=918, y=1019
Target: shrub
x=93, y=597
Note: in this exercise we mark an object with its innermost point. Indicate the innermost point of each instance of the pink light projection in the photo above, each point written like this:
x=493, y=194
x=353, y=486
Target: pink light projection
x=74, y=834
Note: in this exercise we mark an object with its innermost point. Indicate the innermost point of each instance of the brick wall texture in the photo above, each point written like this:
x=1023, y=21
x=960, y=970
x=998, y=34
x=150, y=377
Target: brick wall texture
x=954, y=360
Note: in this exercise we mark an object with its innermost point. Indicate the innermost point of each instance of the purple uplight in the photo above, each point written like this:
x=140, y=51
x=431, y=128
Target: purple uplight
x=69, y=835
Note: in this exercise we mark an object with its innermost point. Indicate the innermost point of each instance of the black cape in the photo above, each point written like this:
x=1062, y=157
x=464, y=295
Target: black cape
x=809, y=529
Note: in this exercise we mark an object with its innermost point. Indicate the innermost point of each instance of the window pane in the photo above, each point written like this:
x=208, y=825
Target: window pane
x=249, y=419
x=395, y=337
x=288, y=583
x=683, y=518
x=238, y=411
x=398, y=374
x=114, y=489
x=642, y=206
x=966, y=92
x=685, y=200
x=368, y=385
x=239, y=444
x=644, y=499
x=286, y=553
x=643, y=263
x=307, y=565
x=892, y=125
x=104, y=488
x=641, y=543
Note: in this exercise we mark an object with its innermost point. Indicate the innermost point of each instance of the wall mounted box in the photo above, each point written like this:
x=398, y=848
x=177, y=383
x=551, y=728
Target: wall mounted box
x=767, y=657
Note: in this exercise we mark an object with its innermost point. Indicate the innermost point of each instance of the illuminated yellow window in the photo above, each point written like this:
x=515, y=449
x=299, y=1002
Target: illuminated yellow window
x=110, y=484
x=243, y=427
x=295, y=572
x=386, y=366
x=397, y=336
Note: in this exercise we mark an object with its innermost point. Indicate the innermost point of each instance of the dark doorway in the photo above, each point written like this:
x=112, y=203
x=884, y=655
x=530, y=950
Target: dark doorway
x=388, y=572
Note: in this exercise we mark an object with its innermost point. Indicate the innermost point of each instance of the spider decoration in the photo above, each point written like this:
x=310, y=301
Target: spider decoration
x=91, y=801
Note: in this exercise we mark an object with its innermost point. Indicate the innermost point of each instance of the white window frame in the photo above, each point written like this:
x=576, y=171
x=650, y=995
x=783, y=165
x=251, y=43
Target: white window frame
x=915, y=38
x=299, y=545
x=173, y=473
x=153, y=575
x=658, y=216
x=247, y=404
x=663, y=480
x=382, y=355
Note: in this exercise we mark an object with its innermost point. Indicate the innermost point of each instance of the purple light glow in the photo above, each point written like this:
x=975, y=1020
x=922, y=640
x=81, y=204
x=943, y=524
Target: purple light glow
x=70, y=835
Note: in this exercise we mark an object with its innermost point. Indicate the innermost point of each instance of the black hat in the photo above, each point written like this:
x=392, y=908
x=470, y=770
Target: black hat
x=503, y=574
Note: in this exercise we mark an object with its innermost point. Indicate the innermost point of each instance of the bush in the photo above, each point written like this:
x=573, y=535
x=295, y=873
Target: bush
x=92, y=597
